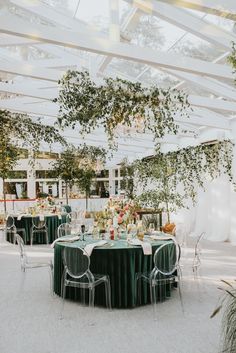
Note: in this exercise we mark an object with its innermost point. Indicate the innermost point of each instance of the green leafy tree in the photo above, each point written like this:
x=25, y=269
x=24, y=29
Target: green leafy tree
x=66, y=168
x=78, y=166
x=8, y=160
x=17, y=131
x=127, y=183
x=84, y=181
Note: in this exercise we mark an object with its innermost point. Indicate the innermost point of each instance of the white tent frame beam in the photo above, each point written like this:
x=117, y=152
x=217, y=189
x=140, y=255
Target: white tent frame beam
x=52, y=15
x=12, y=25
x=193, y=25
x=47, y=109
x=219, y=8
x=130, y=21
x=188, y=22
x=214, y=86
x=50, y=94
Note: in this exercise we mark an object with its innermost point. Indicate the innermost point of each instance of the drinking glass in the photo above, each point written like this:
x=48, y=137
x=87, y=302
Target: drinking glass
x=133, y=231
x=151, y=228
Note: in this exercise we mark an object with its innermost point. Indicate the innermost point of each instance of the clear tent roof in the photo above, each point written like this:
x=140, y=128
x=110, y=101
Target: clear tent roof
x=191, y=40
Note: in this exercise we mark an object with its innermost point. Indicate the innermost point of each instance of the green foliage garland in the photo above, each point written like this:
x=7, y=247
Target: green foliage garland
x=23, y=132
x=187, y=167
x=117, y=103
x=232, y=57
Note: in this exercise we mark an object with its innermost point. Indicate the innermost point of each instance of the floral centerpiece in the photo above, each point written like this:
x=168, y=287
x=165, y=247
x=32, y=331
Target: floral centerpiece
x=43, y=205
x=124, y=211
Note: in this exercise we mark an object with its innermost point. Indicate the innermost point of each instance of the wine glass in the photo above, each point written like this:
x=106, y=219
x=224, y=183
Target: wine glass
x=83, y=230
x=133, y=231
x=151, y=228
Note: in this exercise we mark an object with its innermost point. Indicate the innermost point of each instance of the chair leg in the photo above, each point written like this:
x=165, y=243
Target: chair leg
x=51, y=279
x=63, y=293
x=24, y=236
x=31, y=238
x=14, y=237
x=151, y=292
x=153, y=300
x=180, y=292
x=91, y=296
x=46, y=232
x=138, y=287
x=108, y=293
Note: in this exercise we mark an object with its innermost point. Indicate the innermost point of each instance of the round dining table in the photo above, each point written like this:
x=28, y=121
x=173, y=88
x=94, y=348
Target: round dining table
x=25, y=222
x=121, y=261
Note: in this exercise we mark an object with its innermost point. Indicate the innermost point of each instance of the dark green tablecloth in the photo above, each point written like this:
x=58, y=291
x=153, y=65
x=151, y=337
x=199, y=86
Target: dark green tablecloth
x=121, y=262
x=52, y=222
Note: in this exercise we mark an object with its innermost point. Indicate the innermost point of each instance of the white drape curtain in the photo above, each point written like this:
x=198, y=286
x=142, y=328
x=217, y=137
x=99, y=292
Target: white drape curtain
x=214, y=213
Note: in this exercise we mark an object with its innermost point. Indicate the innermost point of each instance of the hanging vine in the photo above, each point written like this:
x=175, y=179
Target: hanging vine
x=22, y=131
x=232, y=57
x=177, y=175
x=118, y=103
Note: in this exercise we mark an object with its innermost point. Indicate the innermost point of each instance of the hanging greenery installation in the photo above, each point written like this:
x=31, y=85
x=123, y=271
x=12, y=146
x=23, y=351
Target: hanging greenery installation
x=176, y=176
x=118, y=103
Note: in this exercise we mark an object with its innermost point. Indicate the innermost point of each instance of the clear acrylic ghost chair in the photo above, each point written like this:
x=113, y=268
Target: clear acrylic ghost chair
x=3, y=226
x=72, y=216
x=12, y=230
x=38, y=227
x=64, y=229
x=26, y=264
x=77, y=274
x=164, y=275
x=197, y=256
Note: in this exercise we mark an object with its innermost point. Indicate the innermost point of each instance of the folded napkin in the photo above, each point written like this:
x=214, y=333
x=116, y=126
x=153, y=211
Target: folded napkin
x=41, y=217
x=65, y=239
x=162, y=237
x=19, y=216
x=89, y=248
x=147, y=248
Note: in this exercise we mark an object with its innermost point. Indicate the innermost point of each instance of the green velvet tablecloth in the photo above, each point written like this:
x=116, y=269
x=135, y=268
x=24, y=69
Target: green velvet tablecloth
x=121, y=262
x=52, y=222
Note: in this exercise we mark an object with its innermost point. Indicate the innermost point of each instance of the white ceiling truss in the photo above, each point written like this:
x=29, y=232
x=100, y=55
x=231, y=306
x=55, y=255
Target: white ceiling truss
x=58, y=40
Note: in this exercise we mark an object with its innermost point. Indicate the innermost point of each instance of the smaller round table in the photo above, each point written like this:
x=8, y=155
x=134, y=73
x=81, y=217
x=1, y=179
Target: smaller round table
x=52, y=222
